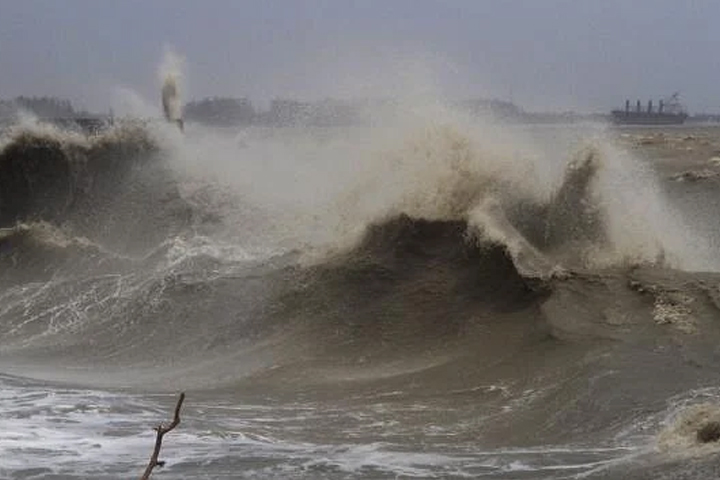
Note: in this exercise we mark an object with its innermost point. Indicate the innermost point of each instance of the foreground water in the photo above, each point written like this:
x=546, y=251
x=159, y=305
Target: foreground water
x=59, y=432
x=431, y=300
x=74, y=433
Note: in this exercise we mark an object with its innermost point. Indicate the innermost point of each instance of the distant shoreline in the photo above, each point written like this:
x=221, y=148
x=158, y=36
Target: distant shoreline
x=236, y=112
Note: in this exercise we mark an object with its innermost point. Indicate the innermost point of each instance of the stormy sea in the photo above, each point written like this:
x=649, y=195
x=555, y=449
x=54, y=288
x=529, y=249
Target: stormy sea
x=422, y=296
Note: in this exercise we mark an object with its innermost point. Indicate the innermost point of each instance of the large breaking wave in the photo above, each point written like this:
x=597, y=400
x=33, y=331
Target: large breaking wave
x=452, y=210
x=549, y=288
x=270, y=241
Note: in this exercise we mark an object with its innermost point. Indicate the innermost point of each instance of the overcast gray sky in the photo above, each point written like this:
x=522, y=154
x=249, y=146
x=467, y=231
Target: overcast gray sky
x=582, y=54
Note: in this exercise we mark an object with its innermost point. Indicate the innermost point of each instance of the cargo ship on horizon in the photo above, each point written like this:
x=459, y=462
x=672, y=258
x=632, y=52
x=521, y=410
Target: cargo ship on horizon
x=669, y=112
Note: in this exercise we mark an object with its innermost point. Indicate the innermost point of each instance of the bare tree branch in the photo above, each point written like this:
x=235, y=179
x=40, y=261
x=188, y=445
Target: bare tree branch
x=161, y=431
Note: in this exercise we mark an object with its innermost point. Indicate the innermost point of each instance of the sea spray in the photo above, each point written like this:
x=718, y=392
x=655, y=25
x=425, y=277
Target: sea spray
x=171, y=75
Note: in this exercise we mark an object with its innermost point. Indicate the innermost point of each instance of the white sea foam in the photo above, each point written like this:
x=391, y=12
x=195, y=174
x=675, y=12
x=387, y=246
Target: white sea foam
x=54, y=430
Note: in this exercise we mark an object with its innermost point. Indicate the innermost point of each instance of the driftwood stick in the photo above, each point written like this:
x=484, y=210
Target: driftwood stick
x=161, y=431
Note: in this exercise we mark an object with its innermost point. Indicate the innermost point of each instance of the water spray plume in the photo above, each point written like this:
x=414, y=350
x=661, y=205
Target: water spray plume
x=171, y=76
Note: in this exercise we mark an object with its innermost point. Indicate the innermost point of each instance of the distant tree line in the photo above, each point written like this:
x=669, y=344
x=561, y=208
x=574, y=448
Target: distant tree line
x=46, y=106
x=215, y=111
x=220, y=111
x=228, y=111
x=42, y=107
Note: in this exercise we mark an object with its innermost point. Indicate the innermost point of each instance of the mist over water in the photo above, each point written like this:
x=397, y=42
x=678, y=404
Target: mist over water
x=424, y=295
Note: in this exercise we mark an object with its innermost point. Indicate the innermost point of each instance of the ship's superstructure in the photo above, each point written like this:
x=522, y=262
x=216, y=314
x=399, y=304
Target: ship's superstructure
x=668, y=112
